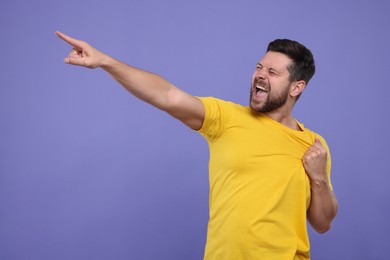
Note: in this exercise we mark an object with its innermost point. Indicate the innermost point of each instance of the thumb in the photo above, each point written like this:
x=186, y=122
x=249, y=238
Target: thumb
x=318, y=143
x=74, y=61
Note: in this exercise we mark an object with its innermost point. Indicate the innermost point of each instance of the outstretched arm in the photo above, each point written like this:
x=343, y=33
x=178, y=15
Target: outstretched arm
x=323, y=206
x=146, y=86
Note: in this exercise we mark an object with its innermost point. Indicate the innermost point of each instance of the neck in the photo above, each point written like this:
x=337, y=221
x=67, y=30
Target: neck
x=284, y=117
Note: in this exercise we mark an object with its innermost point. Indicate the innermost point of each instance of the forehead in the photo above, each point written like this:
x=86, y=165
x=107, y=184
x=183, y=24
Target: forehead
x=275, y=60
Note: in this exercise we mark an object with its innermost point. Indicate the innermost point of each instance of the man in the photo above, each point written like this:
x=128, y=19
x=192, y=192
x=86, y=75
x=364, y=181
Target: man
x=268, y=173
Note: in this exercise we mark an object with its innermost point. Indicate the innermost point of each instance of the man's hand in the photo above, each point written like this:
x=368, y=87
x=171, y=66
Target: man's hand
x=82, y=53
x=314, y=161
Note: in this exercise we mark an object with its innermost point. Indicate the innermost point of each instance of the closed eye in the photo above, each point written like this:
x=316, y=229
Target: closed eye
x=271, y=71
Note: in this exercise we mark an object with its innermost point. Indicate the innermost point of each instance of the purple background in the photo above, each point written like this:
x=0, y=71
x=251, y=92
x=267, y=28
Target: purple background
x=89, y=172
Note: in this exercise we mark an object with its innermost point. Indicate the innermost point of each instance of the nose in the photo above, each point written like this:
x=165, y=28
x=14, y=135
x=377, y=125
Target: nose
x=261, y=73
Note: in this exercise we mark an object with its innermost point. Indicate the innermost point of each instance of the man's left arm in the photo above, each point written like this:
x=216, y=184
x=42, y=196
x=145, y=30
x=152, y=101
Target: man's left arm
x=323, y=206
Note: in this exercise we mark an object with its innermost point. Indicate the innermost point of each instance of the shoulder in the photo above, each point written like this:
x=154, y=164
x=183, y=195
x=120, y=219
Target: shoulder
x=212, y=103
x=220, y=115
x=218, y=100
x=314, y=135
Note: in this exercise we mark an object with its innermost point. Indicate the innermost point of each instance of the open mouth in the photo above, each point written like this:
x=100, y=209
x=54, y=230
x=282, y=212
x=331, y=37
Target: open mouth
x=260, y=88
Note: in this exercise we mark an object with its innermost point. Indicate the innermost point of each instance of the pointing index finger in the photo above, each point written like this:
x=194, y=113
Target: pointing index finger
x=69, y=40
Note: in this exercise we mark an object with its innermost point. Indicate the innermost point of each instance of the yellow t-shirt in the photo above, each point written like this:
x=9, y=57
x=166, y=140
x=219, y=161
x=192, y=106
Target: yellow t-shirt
x=259, y=190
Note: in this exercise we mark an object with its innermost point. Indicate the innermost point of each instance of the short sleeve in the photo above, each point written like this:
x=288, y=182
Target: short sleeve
x=215, y=119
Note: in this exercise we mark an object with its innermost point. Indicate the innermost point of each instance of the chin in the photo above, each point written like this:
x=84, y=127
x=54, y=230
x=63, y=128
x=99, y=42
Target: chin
x=256, y=109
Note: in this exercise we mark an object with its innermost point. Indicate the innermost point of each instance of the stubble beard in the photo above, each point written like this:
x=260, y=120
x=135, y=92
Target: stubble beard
x=272, y=102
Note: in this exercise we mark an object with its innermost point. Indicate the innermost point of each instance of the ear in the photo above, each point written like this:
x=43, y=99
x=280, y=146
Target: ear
x=297, y=88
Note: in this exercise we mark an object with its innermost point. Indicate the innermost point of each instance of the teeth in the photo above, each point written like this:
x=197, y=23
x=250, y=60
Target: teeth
x=261, y=88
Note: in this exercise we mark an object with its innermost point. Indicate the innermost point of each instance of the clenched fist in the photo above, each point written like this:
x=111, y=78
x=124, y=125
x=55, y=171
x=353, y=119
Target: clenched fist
x=314, y=161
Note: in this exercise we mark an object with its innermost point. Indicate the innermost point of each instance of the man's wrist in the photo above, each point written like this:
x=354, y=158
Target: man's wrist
x=107, y=62
x=319, y=184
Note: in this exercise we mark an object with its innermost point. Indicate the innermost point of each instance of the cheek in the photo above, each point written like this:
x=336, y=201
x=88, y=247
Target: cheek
x=280, y=85
x=253, y=81
x=279, y=88
x=253, y=76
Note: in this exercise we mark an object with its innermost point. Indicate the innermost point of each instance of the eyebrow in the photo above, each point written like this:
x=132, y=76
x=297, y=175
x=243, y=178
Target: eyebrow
x=269, y=69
